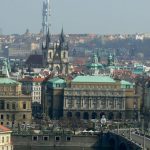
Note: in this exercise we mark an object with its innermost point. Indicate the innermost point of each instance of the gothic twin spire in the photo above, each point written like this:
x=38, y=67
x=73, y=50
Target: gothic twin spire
x=61, y=38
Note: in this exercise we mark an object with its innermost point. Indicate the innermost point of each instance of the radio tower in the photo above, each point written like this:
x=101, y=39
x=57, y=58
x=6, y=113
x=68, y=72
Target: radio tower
x=45, y=16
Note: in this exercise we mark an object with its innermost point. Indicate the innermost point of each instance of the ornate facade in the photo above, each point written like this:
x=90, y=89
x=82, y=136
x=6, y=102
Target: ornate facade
x=15, y=108
x=55, y=55
x=90, y=97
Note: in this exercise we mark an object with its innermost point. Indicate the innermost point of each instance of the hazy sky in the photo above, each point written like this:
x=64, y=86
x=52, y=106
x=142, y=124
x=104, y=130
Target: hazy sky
x=77, y=16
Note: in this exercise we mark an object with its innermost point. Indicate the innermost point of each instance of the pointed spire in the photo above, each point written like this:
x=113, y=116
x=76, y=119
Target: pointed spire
x=48, y=39
x=62, y=37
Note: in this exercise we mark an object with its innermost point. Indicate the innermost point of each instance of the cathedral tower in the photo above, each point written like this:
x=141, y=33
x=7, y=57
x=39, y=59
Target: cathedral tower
x=55, y=55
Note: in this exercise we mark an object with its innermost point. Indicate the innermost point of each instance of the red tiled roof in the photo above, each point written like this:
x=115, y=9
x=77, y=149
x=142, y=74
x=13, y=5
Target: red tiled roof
x=4, y=129
x=30, y=79
x=38, y=79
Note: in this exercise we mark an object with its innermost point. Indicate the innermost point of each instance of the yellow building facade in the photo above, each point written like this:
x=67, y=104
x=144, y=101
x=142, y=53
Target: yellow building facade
x=15, y=108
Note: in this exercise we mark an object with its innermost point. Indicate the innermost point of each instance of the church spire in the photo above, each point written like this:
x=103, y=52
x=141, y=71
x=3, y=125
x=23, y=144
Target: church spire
x=48, y=39
x=62, y=37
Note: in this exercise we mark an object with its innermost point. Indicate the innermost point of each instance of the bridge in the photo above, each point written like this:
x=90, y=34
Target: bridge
x=124, y=139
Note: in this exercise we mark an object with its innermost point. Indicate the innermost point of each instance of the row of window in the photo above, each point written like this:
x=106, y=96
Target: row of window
x=37, y=98
x=5, y=139
x=7, y=147
x=63, y=55
x=111, y=93
x=94, y=98
x=7, y=88
x=95, y=86
x=46, y=138
x=10, y=117
x=36, y=93
x=4, y=105
x=94, y=105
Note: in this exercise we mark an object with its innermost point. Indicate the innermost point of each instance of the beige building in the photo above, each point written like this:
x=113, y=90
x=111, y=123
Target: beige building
x=5, y=138
x=91, y=97
x=15, y=108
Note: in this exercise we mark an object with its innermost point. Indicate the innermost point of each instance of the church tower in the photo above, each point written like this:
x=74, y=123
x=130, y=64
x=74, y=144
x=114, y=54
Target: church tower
x=110, y=60
x=55, y=55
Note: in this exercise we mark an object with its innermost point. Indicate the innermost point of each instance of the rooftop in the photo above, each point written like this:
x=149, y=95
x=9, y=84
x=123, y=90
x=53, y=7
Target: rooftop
x=94, y=79
x=56, y=80
x=8, y=81
x=30, y=79
x=123, y=82
x=4, y=129
x=34, y=59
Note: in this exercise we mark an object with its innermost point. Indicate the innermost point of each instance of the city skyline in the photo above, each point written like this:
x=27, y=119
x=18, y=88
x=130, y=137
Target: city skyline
x=96, y=16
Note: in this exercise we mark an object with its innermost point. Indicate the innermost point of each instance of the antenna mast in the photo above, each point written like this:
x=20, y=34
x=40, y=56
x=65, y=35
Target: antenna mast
x=45, y=16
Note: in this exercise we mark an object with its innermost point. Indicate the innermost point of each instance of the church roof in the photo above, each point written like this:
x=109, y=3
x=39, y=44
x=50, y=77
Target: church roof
x=34, y=59
x=94, y=79
x=93, y=65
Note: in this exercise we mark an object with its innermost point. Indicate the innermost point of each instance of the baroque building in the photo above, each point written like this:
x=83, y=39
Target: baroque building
x=95, y=68
x=15, y=108
x=55, y=55
x=91, y=97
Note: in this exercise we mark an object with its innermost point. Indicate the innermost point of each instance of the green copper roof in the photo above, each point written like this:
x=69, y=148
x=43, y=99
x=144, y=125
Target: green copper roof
x=138, y=71
x=97, y=79
x=56, y=80
x=8, y=81
x=123, y=82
